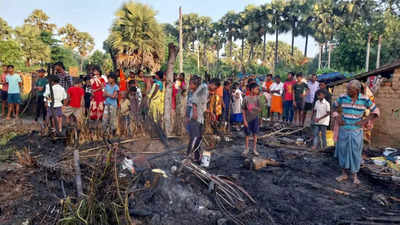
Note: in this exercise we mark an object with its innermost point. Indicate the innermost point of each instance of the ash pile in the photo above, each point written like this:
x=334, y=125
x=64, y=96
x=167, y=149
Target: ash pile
x=110, y=183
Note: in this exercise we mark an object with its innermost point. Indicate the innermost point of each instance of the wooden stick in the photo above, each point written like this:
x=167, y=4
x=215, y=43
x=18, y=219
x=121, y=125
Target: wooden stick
x=78, y=177
x=288, y=147
x=271, y=134
x=384, y=219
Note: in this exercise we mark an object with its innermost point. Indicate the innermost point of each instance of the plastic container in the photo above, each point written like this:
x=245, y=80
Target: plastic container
x=329, y=138
x=206, y=159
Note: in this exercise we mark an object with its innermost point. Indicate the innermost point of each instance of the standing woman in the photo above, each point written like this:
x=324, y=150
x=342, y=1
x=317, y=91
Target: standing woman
x=97, y=84
x=350, y=140
x=156, y=100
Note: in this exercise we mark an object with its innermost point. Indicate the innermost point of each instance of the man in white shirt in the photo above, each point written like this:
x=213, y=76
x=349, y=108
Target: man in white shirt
x=313, y=87
x=54, y=102
x=321, y=112
x=276, y=91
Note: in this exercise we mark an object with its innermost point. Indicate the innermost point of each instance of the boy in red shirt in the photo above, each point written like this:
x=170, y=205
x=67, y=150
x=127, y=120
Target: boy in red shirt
x=74, y=103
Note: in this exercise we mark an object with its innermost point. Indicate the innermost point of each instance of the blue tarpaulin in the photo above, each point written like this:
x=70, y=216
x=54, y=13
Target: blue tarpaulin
x=332, y=77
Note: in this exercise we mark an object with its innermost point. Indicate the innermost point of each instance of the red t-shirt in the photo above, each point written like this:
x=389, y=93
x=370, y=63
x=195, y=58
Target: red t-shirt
x=75, y=96
x=288, y=89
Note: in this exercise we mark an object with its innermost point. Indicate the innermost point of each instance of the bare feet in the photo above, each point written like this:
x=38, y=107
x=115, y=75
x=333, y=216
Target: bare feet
x=8, y=118
x=256, y=153
x=314, y=148
x=356, y=181
x=342, y=178
x=245, y=153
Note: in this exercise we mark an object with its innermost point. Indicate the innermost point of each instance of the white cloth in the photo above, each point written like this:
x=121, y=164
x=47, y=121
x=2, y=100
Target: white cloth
x=322, y=108
x=237, y=102
x=277, y=87
x=313, y=87
x=59, y=95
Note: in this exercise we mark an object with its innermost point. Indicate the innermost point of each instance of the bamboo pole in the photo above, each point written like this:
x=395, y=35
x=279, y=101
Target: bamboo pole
x=368, y=50
x=378, y=57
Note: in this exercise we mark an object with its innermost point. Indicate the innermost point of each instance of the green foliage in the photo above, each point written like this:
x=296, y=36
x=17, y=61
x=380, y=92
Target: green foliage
x=5, y=30
x=10, y=53
x=101, y=59
x=65, y=55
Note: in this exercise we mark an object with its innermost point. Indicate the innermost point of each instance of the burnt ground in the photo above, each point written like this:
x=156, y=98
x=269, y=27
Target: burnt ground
x=300, y=192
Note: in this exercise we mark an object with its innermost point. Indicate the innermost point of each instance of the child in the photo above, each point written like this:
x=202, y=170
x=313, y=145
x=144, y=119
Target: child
x=3, y=90
x=133, y=83
x=74, y=103
x=39, y=87
x=124, y=112
x=110, y=104
x=13, y=94
x=321, y=122
x=251, y=109
x=54, y=102
x=237, y=117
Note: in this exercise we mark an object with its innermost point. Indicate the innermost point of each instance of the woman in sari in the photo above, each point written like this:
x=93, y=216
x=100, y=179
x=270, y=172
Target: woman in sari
x=156, y=100
x=97, y=84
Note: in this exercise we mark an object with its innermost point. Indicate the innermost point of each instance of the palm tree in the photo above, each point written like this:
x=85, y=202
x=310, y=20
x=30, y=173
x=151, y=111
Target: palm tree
x=137, y=37
x=229, y=22
x=266, y=27
x=204, y=35
x=190, y=23
x=278, y=11
x=40, y=19
x=304, y=27
x=253, y=28
x=294, y=16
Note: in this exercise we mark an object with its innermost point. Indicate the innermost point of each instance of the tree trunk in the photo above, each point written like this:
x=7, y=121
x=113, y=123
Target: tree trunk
x=378, y=57
x=329, y=55
x=198, y=59
x=180, y=42
x=320, y=56
x=241, y=54
x=265, y=46
x=194, y=48
x=251, y=53
x=204, y=54
x=230, y=47
x=306, y=46
x=368, y=50
x=276, y=49
x=292, y=49
x=172, y=53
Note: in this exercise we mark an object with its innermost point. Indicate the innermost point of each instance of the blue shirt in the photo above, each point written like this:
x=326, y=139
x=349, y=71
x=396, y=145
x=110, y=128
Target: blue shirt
x=353, y=113
x=13, y=83
x=110, y=89
x=160, y=84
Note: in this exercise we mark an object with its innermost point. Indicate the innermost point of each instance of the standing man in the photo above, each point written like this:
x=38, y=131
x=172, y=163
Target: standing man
x=349, y=145
x=276, y=100
x=14, y=94
x=313, y=87
x=3, y=91
x=300, y=92
x=288, y=98
x=323, y=88
x=197, y=106
x=40, y=86
x=65, y=80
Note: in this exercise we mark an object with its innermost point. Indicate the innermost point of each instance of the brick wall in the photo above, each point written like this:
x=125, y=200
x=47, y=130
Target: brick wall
x=387, y=128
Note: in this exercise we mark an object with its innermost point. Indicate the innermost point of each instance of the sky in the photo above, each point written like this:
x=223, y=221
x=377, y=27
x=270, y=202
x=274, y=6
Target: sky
x=96, y=16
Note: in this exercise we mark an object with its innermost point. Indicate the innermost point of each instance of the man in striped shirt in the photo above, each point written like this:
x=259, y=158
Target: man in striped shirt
x=350, y=140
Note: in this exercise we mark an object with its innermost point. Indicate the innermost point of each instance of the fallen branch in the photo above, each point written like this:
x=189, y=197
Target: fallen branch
x=395, y=219
x=78, y=177
x=289, y=147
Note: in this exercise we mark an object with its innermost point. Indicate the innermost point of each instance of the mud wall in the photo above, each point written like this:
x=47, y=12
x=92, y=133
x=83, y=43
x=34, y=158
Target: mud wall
x=387, y=128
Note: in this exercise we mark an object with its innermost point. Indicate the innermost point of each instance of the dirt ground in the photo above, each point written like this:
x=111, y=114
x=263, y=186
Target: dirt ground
x=303, y=191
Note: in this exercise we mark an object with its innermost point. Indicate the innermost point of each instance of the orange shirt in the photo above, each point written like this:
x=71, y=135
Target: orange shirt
x=220, y=91
x=268, y=84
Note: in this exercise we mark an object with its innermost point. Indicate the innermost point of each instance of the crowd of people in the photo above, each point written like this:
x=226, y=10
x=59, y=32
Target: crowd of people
x=115, y=101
